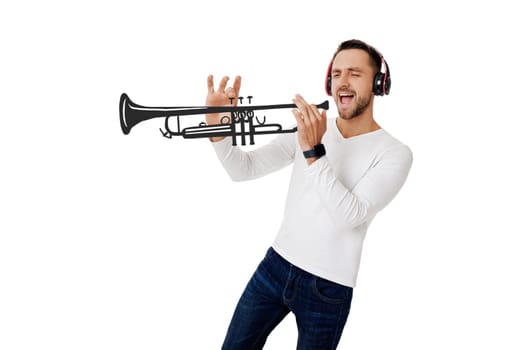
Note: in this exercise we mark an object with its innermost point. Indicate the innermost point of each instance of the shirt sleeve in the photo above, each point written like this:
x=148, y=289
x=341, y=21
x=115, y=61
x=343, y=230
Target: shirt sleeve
x=350, y=208
x=241, y=165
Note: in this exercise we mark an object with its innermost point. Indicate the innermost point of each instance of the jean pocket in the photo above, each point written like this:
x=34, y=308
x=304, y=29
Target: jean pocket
x=331, y=292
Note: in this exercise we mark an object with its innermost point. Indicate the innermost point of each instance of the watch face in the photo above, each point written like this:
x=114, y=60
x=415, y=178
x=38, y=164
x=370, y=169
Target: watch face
x=319, y=150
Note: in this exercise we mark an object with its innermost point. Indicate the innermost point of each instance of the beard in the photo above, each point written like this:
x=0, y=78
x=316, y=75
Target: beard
x=361, y=104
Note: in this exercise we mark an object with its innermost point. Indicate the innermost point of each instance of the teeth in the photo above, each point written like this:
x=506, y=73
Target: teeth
x=344, y=95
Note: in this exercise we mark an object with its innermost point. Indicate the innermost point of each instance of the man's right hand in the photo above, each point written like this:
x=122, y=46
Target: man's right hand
x=223, y=96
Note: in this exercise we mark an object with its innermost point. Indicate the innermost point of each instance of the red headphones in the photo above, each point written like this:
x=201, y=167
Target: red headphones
x=381, y=79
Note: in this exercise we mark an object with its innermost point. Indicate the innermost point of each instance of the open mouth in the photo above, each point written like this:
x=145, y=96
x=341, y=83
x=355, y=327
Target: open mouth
x=345, y=98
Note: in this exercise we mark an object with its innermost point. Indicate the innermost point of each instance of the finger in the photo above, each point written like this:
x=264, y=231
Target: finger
x=301, y=105
x=306, y=109
x=299, y=118
x=310, y=115
x=230, y=92
x=315, y=112
x=237, y=85
x=300, y=102
x=302, y=114
x=222, y=84
x=210, y=83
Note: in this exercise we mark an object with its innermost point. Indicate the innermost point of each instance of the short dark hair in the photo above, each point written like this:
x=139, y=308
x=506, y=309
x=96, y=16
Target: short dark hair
x=375, y=58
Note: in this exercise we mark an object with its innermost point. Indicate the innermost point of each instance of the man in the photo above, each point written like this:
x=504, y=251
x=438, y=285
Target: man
x=345, y=171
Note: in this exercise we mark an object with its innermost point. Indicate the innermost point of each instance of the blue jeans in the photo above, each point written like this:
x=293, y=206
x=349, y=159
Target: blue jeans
x=277, y=287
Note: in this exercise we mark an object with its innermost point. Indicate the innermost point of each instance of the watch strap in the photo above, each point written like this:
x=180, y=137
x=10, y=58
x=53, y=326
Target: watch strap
x=318, y=151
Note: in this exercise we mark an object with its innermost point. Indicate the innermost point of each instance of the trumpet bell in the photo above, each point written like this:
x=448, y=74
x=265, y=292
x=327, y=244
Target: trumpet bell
x=123, y=112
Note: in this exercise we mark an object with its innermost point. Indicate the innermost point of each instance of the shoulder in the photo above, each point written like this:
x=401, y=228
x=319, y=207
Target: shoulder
x=389, y=147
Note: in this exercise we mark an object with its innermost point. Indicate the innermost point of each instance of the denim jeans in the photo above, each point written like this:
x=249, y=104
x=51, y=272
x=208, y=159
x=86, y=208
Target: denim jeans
x=277, y=287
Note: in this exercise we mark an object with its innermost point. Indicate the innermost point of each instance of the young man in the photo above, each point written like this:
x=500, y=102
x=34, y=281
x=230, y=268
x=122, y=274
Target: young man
x=345, y=171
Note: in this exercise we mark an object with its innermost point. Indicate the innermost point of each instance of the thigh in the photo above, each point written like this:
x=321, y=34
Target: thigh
x=321, y=313
x=259, y=310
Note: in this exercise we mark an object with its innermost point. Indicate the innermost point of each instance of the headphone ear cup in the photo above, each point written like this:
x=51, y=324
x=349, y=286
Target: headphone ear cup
x=378, y=84
x=328, y=85
x=387, y=84
x=328, y=81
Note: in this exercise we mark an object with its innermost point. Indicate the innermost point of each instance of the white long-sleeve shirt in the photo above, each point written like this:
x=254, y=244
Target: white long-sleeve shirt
x=330, y=203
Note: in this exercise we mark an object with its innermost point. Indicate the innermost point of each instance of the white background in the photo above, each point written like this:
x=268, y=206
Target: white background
x=139, y=242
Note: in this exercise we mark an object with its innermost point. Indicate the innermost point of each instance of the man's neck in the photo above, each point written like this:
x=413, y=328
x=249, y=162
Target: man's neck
x=356, y=126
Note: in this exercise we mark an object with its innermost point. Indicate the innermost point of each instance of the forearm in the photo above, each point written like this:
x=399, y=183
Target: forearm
x=345, y=208
x=351, y=207
x=242, y=166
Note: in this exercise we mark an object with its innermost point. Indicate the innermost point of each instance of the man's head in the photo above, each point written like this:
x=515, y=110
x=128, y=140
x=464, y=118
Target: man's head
x=354, y=76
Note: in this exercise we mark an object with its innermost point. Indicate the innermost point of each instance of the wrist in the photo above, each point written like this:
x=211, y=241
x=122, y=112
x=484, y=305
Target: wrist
x=216, y=138
x=310, y=161
x=315, y=152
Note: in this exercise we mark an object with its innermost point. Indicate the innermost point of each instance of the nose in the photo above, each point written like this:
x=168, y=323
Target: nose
x=343, y=83
x=344, y=79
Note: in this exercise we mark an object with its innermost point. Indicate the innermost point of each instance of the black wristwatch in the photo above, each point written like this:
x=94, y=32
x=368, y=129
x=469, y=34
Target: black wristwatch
x=318, y=151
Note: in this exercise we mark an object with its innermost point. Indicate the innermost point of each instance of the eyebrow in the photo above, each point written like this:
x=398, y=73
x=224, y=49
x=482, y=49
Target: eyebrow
x=352, y=69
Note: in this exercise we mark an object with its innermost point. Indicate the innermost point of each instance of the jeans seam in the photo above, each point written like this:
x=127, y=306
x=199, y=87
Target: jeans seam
x=340, y=327
x=263, y=334
x=285, y=300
